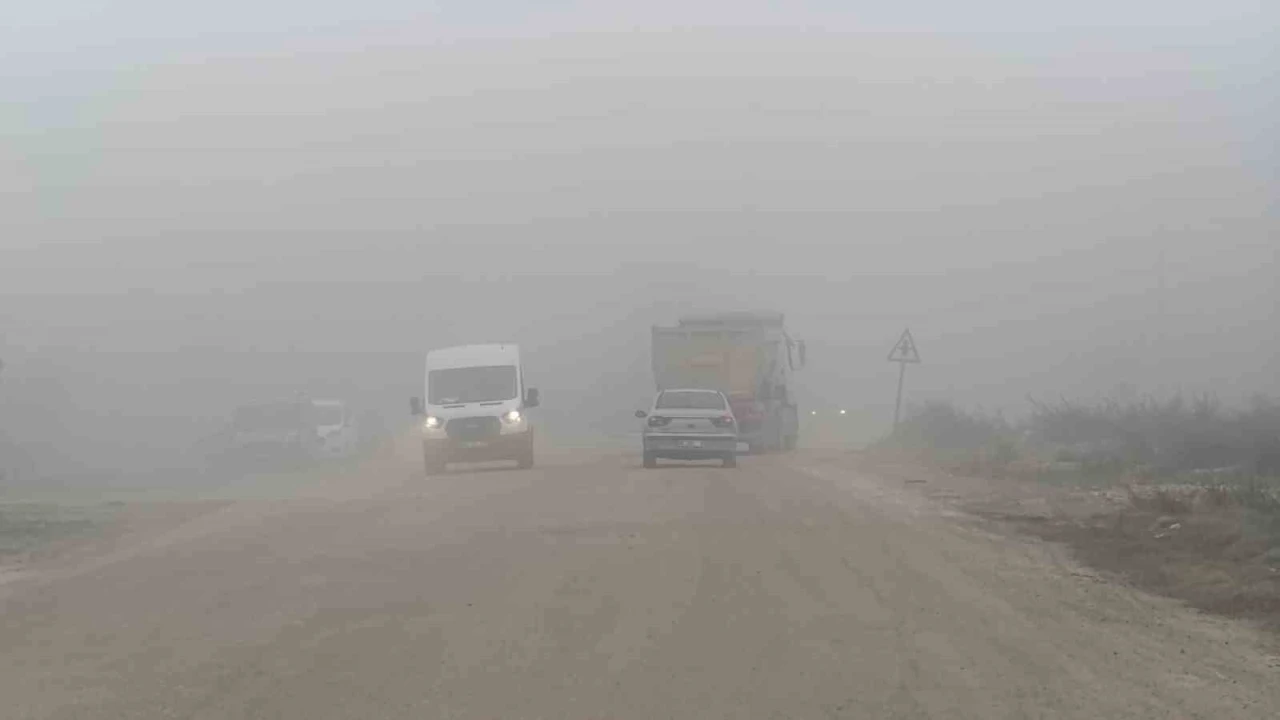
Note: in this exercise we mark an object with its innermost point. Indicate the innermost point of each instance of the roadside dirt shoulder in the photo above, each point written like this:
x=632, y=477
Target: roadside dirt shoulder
x=1180, y=543
x=56, y=539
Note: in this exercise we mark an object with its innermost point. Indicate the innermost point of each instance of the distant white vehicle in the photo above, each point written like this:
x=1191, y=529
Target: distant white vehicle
x=331, y=429
x=476, y=407
x=267, y=429
x=296, y=428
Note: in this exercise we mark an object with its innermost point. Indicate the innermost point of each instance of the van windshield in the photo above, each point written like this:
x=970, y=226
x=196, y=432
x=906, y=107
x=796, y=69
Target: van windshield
x=471, y=385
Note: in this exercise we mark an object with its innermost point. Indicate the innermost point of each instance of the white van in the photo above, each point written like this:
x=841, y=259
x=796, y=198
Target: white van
x=476, y=407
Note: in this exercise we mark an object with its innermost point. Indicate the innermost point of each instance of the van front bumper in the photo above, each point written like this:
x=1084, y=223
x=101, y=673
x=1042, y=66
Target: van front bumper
x=498, y=447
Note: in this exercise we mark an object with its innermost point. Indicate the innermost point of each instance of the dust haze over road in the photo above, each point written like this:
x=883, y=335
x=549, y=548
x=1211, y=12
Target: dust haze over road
x=247, y=203
x=590, y=587
x=280, y=210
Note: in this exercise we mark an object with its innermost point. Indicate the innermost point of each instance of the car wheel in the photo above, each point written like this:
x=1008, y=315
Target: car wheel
x=731, y=460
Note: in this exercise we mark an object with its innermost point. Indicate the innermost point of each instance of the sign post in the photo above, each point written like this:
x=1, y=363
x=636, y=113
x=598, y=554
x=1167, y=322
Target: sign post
x=903, y=353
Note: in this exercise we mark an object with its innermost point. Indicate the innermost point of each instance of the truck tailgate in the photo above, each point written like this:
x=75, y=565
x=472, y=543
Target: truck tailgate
x=724, y=360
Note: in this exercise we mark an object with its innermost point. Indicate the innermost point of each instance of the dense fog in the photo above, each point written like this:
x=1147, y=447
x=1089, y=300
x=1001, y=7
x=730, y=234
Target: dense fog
x=194, y=219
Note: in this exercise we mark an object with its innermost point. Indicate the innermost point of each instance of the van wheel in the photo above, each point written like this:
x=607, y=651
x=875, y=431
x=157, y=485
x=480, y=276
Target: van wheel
x=650, y=460
x=433, y=463
x=524, y=460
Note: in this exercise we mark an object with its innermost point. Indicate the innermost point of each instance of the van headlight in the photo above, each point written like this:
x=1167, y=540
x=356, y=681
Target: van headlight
x=431, y=423
x=512, y=417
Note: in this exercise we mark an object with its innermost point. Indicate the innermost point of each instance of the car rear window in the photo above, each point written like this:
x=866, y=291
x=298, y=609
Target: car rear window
x=690, y=400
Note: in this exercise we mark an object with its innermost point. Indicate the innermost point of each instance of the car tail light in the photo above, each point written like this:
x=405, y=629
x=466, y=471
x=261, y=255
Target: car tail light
x=657, y=421
x=724, y=421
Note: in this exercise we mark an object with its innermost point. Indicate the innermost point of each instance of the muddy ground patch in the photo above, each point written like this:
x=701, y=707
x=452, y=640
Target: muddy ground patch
x=1214, y=548
x=1218, y=559
x=31, y=529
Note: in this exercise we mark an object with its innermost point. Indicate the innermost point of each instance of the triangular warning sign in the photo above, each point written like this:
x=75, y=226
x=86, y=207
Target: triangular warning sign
x=905, y=349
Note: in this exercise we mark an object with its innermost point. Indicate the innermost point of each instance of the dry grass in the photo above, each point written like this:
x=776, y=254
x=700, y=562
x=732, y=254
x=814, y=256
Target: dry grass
x=1166, y=544
x=28, y=527
x=1198, y=512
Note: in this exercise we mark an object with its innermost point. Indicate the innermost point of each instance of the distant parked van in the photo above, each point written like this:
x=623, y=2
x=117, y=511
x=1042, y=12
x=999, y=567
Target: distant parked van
x=331, y=429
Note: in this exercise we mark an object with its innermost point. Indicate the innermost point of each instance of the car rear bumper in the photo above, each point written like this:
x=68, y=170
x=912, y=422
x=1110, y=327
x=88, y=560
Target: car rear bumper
x=689, y=446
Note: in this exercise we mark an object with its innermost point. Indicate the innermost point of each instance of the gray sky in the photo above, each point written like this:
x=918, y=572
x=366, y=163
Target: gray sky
x=192, y=194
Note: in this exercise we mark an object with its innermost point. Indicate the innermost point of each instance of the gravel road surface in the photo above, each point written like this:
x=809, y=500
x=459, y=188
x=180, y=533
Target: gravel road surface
x=588, y=587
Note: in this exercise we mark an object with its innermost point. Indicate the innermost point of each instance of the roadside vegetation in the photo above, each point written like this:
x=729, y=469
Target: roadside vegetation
x=26, y=528
x=1145, y=440
x=1196, y=486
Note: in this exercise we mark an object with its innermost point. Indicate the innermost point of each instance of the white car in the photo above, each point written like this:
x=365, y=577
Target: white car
x=690, y=424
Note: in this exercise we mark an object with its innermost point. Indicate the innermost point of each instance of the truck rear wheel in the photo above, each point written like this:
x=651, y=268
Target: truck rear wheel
x=761, y=448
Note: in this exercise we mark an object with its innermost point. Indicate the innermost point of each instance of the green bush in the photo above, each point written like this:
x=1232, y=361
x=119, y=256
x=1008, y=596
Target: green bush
x=942, y=426
x=1171, y=436
x=967, y=442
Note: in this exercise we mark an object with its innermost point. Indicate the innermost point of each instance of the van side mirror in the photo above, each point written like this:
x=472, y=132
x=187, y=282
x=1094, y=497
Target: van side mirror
x=531, y=398
x=415, y=406
x=641, y=414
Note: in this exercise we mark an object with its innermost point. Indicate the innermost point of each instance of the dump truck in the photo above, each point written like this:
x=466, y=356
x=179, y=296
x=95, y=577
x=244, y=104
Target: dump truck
x=749, y=357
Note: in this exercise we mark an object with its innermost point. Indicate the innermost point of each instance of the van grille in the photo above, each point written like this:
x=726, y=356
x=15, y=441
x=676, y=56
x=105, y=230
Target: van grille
x=472, y=428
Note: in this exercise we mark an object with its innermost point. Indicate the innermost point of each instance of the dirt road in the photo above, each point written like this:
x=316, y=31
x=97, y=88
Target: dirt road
x=590, y=588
